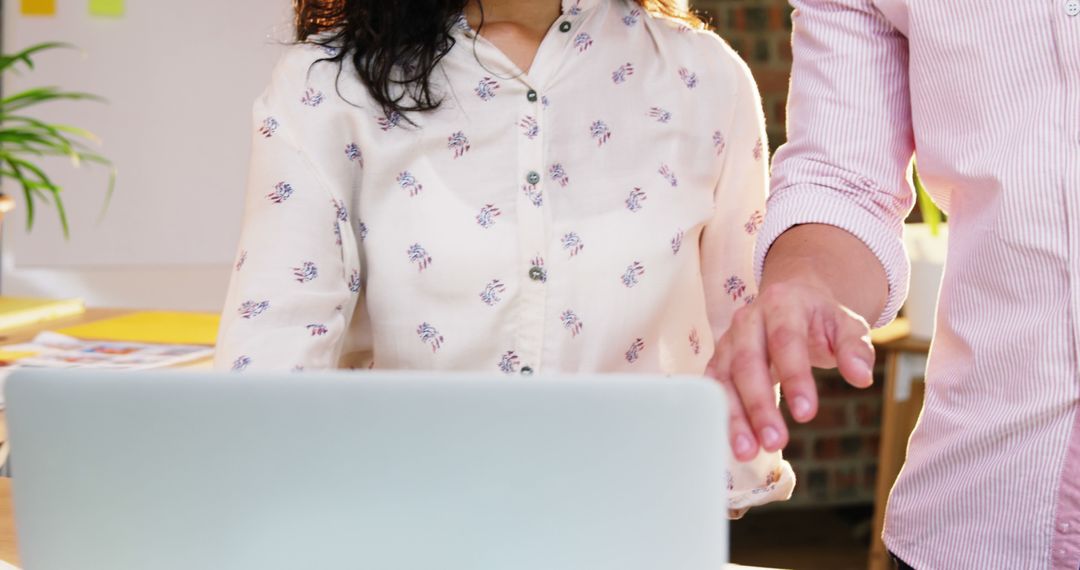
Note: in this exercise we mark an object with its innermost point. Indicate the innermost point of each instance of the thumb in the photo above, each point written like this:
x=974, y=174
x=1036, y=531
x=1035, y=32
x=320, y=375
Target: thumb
x=852, y=348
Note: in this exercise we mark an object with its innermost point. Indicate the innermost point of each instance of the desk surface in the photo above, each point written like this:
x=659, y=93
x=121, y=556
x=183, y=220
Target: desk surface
x=896, y=336
x=8, y=548
x=9, y=553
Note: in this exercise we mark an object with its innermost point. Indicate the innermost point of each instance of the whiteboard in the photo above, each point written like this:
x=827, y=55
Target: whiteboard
x=180, y=77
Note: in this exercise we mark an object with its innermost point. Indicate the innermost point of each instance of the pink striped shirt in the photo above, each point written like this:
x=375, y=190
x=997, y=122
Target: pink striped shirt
x=989, y=94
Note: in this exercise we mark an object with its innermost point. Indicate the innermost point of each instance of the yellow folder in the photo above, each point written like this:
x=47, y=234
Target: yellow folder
x=156, y=327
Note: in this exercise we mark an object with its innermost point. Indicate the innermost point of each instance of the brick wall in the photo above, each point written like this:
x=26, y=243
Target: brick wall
x=760, y=30
x=835, y=456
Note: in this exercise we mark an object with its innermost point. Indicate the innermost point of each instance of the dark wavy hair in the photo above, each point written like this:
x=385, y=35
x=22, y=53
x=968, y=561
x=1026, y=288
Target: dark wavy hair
x=395, y=45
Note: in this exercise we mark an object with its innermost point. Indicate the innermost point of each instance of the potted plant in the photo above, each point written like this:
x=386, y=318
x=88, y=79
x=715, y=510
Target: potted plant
x=25, y=140
x=927, y=245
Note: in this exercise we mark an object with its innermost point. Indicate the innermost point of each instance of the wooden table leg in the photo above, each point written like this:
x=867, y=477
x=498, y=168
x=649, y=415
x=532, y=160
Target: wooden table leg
x=902, y=403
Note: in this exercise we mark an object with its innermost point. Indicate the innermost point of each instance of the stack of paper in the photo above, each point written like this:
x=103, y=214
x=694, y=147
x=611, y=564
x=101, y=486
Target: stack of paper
x=53, y=350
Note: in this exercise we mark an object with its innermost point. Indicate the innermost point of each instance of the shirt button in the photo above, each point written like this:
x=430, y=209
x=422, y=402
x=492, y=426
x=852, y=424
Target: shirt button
x=1072, y=7
x=536, y=273
x=532, y=96
x=533, y=178
x=1064, y=527
x=527, y=371
x=564, y=27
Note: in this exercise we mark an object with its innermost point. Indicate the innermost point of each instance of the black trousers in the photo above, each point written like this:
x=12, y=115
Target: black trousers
x=900, y=564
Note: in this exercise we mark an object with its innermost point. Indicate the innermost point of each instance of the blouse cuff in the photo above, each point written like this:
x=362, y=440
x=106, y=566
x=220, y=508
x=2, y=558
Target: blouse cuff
x=779, y=486
x=815, y=205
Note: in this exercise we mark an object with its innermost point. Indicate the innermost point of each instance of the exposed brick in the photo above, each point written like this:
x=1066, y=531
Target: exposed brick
x=762, y=51
x=879, y=381
x=783, y=50
x=758, y=31
x=868, y=412
x=872, y=444
x=827, y=448
x=737, y=18
x=796, y=449
x=870, y=477
x=780, y=110
x=737, y=45
x=846, y=482
x=773, y=80
x=817, y=483
x=831, y=415
x=830, y=383
x=776, y=17
x=777, y=137
x=851, y=446
x=757, y=18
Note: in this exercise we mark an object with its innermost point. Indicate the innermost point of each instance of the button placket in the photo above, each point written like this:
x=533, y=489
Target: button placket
x=532, y=225
x=1066, y=543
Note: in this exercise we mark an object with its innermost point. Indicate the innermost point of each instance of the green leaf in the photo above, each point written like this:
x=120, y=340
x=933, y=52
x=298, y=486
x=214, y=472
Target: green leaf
x=28, y=193
x=50, y=143
x=44, y=183
x=35, y=170
x=108, y=195
x=41, y=95
x=63, y=214
x=931, y=215
x=52, y=128
x=7, y=61
x=24, y=138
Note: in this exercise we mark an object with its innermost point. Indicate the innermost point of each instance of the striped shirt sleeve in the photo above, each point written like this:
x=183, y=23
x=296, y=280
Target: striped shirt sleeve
x=850, y=137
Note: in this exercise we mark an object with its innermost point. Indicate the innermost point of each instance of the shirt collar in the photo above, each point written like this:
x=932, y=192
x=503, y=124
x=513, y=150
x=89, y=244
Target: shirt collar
x=570, y=8
x=576, y=7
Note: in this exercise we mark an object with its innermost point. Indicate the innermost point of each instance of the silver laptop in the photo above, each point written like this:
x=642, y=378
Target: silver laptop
x=372, y=471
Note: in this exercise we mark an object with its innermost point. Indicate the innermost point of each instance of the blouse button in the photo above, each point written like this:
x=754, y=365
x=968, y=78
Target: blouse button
x=533, y=178
x=1072, y=8
x=564, y=27
x=536, y=273
x=532, y=96
x=527, y=371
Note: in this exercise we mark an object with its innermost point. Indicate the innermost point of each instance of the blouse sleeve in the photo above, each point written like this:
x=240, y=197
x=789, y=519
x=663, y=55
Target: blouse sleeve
x=727, y=249
x=296, y=279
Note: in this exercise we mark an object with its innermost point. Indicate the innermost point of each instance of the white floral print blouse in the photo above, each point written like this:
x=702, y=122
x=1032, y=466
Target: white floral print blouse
x=597, y=214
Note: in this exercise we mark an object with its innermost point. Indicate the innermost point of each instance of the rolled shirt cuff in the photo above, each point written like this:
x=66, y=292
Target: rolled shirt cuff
x=811, y=204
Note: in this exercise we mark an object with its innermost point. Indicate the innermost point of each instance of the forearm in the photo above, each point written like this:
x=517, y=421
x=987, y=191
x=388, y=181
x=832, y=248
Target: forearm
x=829, y=258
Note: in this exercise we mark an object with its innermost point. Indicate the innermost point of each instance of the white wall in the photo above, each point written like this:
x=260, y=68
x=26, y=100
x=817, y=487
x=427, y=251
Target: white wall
x=180, y=77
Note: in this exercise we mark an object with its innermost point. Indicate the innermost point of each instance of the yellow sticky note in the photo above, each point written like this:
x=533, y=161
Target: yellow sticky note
x=113, y=8
x=39, y=7
x=155, y=327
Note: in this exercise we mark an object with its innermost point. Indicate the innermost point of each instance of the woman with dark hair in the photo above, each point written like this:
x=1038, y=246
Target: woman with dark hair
x=515, y=186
